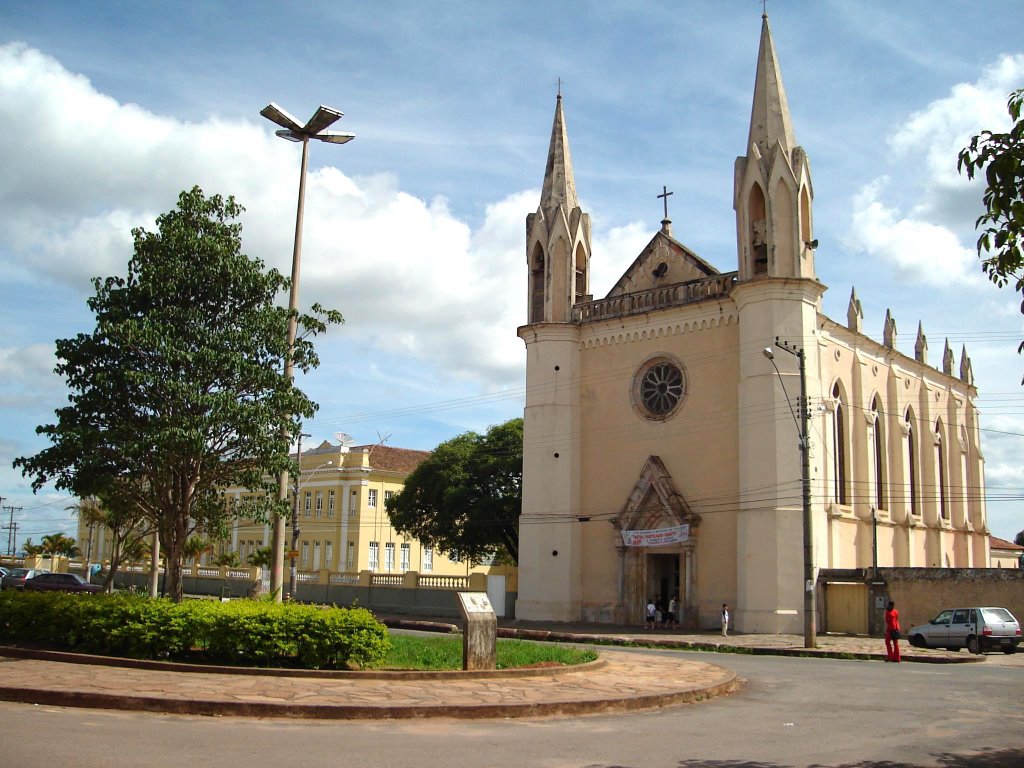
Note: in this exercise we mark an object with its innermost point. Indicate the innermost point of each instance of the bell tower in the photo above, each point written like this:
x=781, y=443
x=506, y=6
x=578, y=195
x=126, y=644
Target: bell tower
x=777, y=296
x=557, y=237
x=558, y=255
x=773, y=195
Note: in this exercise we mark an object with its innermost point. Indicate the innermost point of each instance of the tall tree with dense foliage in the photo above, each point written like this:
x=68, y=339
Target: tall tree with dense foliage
x=1001, y=156
x=466, y=497
x=179, y=391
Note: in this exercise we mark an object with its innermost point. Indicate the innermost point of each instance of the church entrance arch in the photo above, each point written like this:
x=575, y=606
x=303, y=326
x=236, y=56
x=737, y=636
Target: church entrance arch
x=657, y=548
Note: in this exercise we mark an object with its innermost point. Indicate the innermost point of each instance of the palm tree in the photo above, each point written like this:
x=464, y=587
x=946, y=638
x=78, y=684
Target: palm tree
x=57, y=544
x=261, y=557
x=229, y=559
x=30, y=549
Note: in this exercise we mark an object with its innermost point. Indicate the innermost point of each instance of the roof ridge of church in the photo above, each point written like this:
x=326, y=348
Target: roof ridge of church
x=769, y=113
x=559, y=184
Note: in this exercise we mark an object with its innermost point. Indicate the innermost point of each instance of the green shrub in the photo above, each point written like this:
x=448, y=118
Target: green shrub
x=255, y=633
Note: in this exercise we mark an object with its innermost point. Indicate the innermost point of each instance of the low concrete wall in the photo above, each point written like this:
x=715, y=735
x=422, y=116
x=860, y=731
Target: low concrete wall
x=920, y=593
x=421, y=601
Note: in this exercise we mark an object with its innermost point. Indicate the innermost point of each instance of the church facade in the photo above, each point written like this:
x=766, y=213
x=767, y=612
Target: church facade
x=662, y=453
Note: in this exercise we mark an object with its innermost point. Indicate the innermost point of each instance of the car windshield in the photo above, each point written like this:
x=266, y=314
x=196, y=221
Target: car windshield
x=997, y=614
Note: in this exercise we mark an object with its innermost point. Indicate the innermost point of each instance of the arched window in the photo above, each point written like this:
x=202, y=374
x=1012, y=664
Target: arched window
x=940, y=461
x=878, y=456
x=839, y=448
x=758, y=230
x=581, y=274
x=911, y=464
x=537, y=285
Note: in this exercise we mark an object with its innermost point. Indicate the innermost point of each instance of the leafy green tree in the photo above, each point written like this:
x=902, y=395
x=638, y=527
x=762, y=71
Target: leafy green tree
x=55, y=544
x=180, y=391
x=1019, y=539
x=1001, y=156
x=466, y=496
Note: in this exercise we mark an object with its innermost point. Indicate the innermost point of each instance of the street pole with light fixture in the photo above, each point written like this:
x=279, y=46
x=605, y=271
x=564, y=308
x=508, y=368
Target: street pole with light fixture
x=803, y=428
x=293, y=577
x=292, y=130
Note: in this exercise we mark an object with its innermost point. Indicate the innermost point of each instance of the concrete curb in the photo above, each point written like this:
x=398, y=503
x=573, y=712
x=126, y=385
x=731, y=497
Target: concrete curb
x=69, y=657
x=728, y=684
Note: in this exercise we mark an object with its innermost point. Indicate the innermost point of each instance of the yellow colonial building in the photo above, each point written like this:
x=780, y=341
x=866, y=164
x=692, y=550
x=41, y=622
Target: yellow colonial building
x=343, y=525
x=662, y=452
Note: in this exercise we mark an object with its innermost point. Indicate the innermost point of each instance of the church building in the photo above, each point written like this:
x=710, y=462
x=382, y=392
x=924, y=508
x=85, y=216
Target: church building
x=662, y=445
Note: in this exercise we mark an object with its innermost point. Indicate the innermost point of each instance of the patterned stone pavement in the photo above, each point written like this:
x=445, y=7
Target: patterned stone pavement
x=620, y=682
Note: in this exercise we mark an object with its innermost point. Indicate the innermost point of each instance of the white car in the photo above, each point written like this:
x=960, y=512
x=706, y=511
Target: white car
x=976, y=629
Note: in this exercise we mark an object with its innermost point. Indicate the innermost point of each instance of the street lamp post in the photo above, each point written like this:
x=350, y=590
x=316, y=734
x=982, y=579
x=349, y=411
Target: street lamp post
x=293, y=576
x=803, y=428
x=292, y=130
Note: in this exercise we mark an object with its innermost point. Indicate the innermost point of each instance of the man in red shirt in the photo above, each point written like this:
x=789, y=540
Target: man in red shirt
x=892, y=632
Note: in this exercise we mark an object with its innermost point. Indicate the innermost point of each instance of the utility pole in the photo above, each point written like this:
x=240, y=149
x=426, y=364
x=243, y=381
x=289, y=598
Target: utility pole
x=803, y=424
x=12, y=529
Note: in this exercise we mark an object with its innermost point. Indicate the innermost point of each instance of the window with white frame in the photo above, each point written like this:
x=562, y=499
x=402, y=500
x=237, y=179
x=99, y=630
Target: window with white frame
x=374, y=556
x=388, y=495
x=371, y=497
x=328, y=553
x=308, y=504
x=316, y=555
x=389, y=556
x=305, y=554
x=406, y=554
x=319, y=504
x=350, y=557
x=330, y=503
x=353, y=508
x=428, y=559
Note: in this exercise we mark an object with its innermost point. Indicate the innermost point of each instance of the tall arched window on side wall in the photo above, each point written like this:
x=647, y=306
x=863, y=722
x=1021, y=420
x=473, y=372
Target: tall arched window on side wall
x=940, y=461
x=911, y=464
x=839, y=448
x=537, y=285
x=878, y=456
x=580, y=282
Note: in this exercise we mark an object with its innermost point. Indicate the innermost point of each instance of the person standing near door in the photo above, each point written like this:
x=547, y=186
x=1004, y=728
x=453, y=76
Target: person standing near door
x=725, y=619
x=892, y=632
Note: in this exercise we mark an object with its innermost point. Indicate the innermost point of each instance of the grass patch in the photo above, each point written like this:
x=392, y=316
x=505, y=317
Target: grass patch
x=440, y=653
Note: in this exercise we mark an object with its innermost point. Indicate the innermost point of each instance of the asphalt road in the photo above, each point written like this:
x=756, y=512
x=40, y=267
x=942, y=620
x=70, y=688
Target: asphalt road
x=792, y=712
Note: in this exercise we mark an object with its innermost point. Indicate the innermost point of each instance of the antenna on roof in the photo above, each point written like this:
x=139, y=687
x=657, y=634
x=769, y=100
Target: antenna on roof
x=344, y=438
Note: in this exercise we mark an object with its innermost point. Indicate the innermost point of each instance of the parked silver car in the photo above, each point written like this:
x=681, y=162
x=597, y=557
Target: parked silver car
x=15, y=579
x=976, y=629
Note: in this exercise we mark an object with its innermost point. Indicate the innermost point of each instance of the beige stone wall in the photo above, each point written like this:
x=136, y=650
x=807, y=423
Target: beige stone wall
x=879, y=388
x=920, y=593
x=697, y=444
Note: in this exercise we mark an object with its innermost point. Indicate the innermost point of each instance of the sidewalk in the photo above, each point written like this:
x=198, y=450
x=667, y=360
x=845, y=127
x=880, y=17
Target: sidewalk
x=615, y=683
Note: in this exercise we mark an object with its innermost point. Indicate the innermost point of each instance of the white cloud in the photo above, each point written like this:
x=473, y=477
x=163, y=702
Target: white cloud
x=917, y=249
x=919, y=217
x=404, y=271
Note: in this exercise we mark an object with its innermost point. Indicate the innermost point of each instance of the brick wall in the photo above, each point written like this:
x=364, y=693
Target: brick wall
x=920, y=593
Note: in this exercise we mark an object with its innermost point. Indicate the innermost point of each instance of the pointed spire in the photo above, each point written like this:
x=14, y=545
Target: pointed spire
x=966, y=372
x=769, y=115
x=921, y=345
x=559, y=184
x=854, y=314
x=889, y=331
x=947, y=360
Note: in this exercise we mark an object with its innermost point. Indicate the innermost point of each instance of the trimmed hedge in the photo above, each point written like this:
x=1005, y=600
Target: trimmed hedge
x=240, y=632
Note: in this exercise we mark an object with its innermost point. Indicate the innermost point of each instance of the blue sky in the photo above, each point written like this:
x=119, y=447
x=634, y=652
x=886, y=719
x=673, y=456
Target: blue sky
x=415, y=230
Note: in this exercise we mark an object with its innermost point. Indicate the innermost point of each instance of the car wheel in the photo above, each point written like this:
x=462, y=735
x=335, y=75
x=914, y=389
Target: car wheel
x=1010, y=649
x=918, y=641
x=972, y=644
